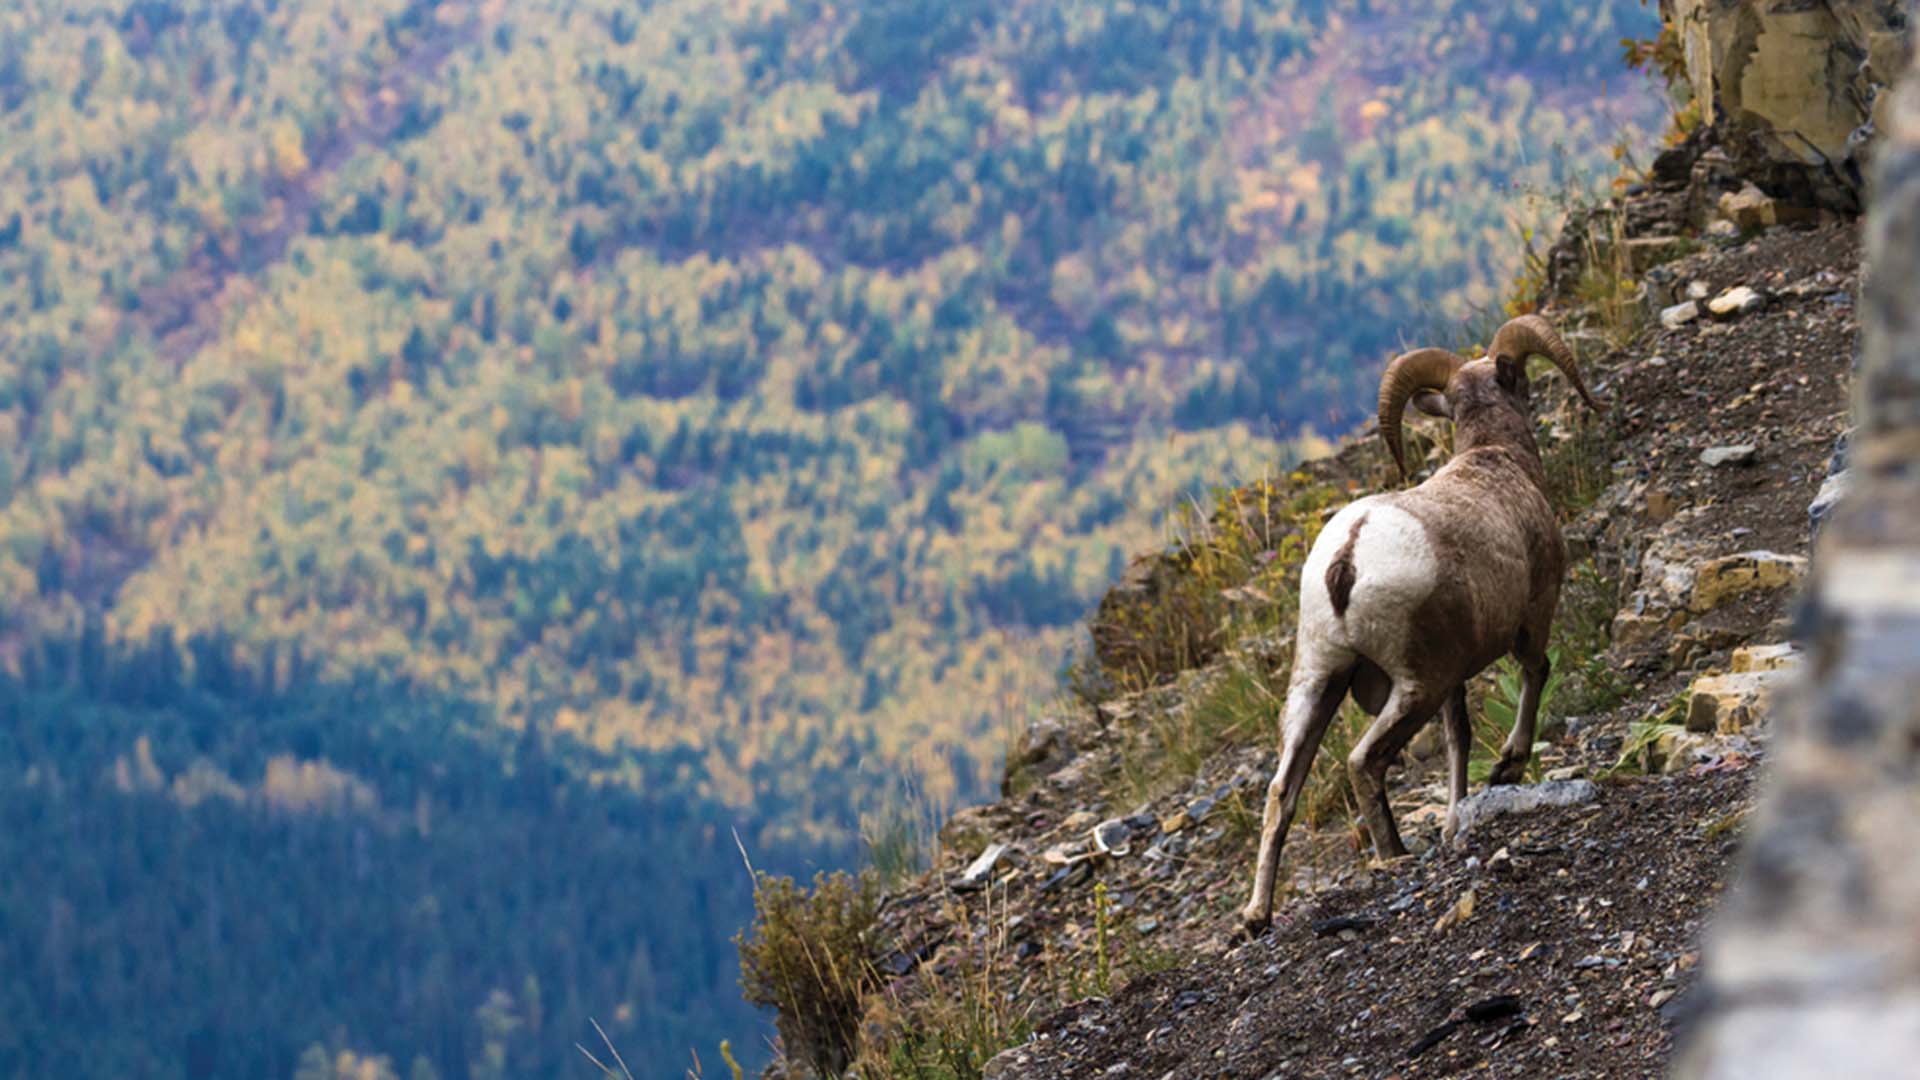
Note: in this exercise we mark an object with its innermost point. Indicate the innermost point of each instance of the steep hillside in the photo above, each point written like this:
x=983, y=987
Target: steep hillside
x=459, y=461
x=1089, y=918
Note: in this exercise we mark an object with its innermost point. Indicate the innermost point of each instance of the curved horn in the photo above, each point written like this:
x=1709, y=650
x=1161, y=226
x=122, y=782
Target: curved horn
x=1529, y=334
x=1410, y=373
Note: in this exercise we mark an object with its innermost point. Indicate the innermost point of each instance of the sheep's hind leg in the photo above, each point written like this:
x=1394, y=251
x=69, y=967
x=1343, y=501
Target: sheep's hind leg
x=1518, y=749
x=1311, y=702
x=1459, y=733
x=1407, y=709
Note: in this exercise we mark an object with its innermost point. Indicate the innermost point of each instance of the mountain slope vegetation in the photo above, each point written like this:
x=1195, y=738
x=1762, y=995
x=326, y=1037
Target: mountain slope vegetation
x=571, y=428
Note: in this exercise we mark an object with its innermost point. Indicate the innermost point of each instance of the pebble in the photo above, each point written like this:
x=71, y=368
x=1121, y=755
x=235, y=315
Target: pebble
x=1735, y=302
x=1519, y=799
x=976, y=875
x=1679, y=315
x=1716, y=456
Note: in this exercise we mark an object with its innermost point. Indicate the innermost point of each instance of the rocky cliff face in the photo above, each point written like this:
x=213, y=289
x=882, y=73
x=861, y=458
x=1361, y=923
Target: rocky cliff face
x=1815, y=969
x=1794, y=87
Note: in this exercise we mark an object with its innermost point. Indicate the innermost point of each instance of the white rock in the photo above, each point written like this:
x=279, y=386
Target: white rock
x=1519, y=799
x=1679, y=315
x=976, y=873
x=1737, y=301
x=1832, y=490
x=1729, y=455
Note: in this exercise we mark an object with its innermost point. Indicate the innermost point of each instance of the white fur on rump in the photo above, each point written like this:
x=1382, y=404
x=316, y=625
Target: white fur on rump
x=1395, y=570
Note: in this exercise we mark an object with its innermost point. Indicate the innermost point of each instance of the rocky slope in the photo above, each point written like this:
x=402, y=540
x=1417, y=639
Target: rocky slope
x=1559, y=941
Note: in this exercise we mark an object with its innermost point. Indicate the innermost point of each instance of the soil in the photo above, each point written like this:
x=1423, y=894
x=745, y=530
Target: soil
x=1583, y=927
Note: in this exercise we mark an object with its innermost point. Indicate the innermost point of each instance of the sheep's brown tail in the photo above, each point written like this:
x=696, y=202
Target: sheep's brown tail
x=1341, y=575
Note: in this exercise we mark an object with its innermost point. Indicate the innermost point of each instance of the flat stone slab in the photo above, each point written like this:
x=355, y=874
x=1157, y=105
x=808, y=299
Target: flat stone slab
x=1519, y=799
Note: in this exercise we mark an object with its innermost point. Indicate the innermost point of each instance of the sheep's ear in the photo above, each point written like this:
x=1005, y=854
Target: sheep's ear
x=1433, y=403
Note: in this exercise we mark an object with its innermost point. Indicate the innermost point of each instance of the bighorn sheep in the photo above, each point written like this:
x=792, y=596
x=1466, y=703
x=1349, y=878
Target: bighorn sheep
x=1407, y=595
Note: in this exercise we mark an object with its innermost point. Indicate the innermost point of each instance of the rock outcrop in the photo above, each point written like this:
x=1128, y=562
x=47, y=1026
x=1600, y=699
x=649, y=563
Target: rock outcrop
x=1815, y=967
x=1793, y=86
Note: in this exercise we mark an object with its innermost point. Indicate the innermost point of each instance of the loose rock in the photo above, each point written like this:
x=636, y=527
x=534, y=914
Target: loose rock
x=981, y=869
x=1679, y=315
x=1719, y=580
x=1734, y=702
x=1717, y=456
x=1520, y=799
x=1735, y=302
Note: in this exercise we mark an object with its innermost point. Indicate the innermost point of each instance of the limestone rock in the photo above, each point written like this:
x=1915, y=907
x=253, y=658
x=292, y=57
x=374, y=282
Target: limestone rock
x=1731, y=576
x=1676, y=751
x=978, y=872
x=1679, y=315
x=1749, y=208
x=1520, y=799
x=1765, y=657
x=1717, y=456
x=1631, y=629
x=1788, y=85
x=1732, y=703
x=1735, y=302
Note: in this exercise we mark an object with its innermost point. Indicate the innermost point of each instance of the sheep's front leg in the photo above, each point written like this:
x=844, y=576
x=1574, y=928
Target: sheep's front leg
x=1311, y=702
x=1518, y=749
x=1459, y=733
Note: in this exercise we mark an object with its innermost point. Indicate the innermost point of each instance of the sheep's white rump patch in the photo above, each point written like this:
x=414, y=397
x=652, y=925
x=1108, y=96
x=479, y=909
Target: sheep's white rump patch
x=1395, y=570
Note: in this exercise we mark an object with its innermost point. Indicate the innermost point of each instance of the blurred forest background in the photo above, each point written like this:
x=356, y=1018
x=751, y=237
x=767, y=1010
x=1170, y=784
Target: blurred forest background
x=458, y=461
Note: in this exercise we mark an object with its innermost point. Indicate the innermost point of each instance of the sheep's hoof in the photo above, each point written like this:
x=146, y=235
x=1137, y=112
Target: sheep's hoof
x=1253, y=924
x=1507, y=772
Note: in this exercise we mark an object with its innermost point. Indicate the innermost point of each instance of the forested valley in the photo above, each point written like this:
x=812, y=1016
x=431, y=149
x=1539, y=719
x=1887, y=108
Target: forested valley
x=463, y=463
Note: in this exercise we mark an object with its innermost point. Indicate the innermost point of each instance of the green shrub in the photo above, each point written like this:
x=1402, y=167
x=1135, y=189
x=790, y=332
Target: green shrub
x=810, y=958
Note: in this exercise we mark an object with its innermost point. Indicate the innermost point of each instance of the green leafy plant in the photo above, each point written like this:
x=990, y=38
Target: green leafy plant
x=1500, y=707
x=1637, y=753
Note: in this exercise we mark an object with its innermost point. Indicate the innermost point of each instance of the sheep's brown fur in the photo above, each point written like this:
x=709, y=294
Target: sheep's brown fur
x=1409, y=594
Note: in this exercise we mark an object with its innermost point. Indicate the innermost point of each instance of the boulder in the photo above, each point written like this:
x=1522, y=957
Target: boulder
x=1749, y=208
x=1765, y=657
x=1631, y=629
x=1732, y=703
x=1519, y=799
x=1676, y=751
x=1719, y=580
x=1812, y=966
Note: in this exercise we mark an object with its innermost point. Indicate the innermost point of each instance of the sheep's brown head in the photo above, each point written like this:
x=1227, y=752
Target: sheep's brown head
x=1440, y=383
